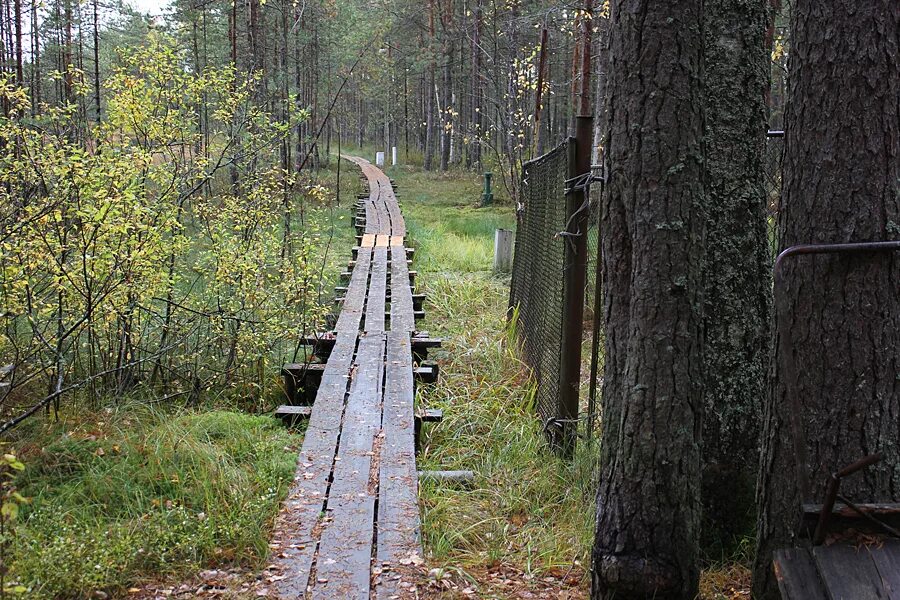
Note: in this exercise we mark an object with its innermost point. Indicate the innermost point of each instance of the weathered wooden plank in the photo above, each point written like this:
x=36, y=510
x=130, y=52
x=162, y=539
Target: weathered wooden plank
x=848, y=573
x=377, y=292
x=887, y=561
x=797, y=575
x=343, y=565
x=398, y=224
x=397, y=240
x=295, y=533
x=402, y=314
x=382, y=240
x=398, y=508
x=355, y=298
x=368, y=240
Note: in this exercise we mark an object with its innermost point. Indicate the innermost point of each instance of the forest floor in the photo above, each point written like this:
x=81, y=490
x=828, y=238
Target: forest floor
x=522, y=529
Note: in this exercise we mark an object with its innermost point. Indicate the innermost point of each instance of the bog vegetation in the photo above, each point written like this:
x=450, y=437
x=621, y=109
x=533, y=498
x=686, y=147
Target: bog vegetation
x=172, y=217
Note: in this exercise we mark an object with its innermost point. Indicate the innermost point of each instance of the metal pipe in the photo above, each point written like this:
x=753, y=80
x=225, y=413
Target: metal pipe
x=781, y=316
x=831, y=493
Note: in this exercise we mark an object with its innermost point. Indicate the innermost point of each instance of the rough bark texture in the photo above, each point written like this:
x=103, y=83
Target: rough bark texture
x=738, y=268
x=839, y=316
x=648, y=502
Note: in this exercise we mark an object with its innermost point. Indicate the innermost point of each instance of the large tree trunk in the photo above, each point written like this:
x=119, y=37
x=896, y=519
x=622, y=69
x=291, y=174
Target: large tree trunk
x=738, y=268
x=648, y=502
x=839, y=316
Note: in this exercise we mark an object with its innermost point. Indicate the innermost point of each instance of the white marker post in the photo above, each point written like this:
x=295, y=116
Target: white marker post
x=393, y=155
x=503, y=250
x=379, y=159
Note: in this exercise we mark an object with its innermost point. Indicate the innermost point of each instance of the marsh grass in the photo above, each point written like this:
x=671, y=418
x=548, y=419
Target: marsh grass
x=132, y=493
x=527, y=508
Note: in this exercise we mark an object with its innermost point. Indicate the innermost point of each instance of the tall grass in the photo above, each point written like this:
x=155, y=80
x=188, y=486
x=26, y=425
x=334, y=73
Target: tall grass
x=527, y=508
x=132, y=493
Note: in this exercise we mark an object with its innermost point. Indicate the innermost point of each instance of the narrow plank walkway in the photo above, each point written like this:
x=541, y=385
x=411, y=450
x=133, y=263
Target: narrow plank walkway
x=350, y=524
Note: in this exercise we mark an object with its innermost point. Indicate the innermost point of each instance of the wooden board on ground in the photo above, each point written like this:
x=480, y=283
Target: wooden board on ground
x=869, y=571
x=848, y=572
x=377, y=292
x=398, y=515
x=402, y=315
x=368, y=240
x=295, y=532
x=345, y=550
x=355, y=298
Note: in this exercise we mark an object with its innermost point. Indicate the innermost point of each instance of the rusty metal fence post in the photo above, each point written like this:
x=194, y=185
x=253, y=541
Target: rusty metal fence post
x=574, y=279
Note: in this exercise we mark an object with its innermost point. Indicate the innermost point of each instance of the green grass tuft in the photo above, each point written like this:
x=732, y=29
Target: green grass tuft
x=132, y=493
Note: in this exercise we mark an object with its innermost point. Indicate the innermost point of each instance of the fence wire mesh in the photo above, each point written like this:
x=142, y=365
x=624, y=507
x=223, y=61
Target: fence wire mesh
x=772, y=182
x=536, y=289
x=537, y=277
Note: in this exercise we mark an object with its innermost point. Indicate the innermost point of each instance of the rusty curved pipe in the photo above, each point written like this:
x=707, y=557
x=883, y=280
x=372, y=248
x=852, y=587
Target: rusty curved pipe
x=794, y=402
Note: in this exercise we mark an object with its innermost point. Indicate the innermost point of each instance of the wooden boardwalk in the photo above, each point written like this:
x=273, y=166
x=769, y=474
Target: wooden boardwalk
x=350, y=524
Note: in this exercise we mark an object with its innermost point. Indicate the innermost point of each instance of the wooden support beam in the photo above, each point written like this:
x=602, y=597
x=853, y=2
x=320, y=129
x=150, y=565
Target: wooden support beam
x=418, y=315
x=426, y=373
x=463, y=477
x=421, y=345
x=321, y=343
x=291, y=414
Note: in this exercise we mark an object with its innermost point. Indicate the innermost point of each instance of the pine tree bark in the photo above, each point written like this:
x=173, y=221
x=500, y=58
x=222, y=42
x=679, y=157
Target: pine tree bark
x=738, y=267
x=648, y=502
x=839, y=315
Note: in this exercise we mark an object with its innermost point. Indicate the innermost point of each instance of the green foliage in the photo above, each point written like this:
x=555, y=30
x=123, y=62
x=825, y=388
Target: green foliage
x=161, y=248
x=166, y=493
x=11, y=502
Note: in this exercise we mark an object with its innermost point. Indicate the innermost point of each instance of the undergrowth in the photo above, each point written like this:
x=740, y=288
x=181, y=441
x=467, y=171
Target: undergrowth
x=527, y=508
x=132, y=493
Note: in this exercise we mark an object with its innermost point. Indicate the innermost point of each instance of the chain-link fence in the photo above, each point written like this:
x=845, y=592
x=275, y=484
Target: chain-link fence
x=536, y=289
x=774, y=152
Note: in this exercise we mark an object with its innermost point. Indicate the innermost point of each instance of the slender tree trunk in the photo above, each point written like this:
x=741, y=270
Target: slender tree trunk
x=20, y=74
x=474, y=150
x=95, y=6
x=837, y=342
x=429, y=92
x=738, y=268
x=67, y=58
x=36, y=53
x=648, y=502
x=446, y=120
